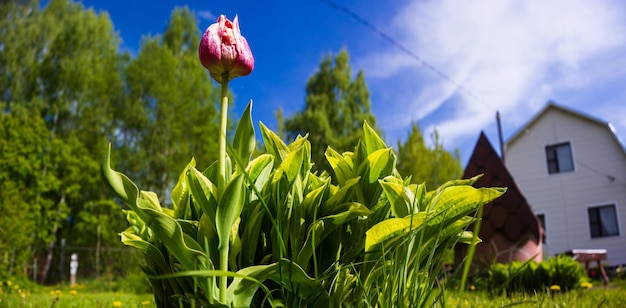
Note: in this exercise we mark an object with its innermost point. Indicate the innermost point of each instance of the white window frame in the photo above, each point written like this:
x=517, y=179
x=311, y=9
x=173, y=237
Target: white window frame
x=545, y=156
x=604, y=204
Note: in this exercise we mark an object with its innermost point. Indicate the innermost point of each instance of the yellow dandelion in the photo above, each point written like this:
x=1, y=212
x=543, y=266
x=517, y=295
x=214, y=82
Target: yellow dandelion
x=555, y=287
x=52, y=292
x=145, y=303
x=73, y=292
x=16, y=287
x=9, y=283
x=58, y=292
x=586, y=285
x=117, y=304
x=473, y=288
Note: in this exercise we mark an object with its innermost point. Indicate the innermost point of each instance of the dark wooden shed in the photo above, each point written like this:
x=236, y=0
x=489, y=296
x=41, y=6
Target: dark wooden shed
x=509, y=230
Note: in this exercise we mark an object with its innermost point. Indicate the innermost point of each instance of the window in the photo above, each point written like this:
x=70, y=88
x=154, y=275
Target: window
x=603, y=221
x=542, y=221
x=559, y=157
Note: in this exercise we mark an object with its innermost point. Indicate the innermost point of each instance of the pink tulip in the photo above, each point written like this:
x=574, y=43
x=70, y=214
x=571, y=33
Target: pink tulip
x=223, y=49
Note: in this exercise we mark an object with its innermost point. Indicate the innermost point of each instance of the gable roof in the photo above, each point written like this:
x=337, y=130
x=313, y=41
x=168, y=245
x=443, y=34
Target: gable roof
x=553, y=106
x=510, y=214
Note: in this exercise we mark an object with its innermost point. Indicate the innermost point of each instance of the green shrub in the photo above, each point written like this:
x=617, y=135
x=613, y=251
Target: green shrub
x=530, y=276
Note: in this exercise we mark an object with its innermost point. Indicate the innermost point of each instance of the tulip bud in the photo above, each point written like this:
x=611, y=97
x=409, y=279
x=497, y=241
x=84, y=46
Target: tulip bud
x=223, y=49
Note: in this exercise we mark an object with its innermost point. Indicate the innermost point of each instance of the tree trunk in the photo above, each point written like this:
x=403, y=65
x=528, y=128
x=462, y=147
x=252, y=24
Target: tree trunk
x=46, y=269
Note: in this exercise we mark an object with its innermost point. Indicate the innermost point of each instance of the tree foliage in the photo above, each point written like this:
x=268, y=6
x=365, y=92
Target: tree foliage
x=65, y=92
x=336, y=106
x=24, y=214
x=169, y=113
x=431, y=165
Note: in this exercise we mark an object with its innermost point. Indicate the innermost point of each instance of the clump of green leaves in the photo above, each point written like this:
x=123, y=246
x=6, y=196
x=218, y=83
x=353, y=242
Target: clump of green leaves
x=364, y=237
x=530, y=276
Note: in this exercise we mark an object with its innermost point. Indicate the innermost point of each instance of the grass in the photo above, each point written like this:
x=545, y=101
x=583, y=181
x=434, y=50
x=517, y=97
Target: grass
x=613, y=295
x=63, y=300
x=95, y=294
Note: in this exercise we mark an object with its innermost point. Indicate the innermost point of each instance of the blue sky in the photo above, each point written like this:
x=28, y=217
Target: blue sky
x=462, y=60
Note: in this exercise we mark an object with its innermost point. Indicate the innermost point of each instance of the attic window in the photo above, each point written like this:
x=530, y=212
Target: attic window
x=559, y=158
x=603, y=221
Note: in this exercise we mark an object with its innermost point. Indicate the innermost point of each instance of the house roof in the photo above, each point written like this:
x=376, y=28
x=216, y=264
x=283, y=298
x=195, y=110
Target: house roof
x=510, y=214
x=553, y=106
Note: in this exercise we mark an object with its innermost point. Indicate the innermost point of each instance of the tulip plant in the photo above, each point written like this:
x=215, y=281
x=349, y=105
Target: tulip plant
x=268, y=231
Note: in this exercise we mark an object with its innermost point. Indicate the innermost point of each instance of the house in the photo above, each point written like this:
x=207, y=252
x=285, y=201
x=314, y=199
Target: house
x=509, y=230
x=572, y=169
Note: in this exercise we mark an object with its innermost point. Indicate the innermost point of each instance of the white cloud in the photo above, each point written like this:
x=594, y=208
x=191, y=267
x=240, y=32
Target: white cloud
x=207, y=15
x=512, y=55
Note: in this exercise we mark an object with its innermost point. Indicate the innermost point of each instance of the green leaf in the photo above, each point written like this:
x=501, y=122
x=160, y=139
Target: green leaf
x=250, y=234
x=229, y=209
x=291, y=165
x=180, y=194
x=372, y=141
x=341, y=196
x=203, y=192
x=259, y=171
x=378, y=165
x=342, y=165
x=466, y=237
x=273, y=144
x=323, y=227
x=399, y=196
x=244, y=141
x=287, y=274
x=151, y=251
x=165, y=227
x=207, y=236
x=393, y=228
x=455, y=202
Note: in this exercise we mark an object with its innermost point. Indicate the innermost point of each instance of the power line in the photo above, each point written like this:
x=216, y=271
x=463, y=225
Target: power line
x=406, y=50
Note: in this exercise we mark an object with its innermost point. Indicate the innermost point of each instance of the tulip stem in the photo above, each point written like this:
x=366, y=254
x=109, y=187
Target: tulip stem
x=221, y=180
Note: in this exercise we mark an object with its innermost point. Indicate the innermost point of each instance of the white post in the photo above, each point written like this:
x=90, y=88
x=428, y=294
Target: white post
x=73, y=269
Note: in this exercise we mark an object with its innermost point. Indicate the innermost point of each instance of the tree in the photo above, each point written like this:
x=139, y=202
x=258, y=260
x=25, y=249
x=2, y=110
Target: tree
x=25, y=216
x=433, y=166
x=60, y=66
x=170, y=113
x=65, y=92
x=335, y=107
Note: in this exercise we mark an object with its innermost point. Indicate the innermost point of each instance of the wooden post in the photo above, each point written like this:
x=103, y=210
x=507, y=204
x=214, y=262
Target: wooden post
x=98, y=251
x=62, y=261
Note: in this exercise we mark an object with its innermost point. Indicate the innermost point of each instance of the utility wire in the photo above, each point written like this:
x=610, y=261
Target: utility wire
x=603, y=174
x=406, y=50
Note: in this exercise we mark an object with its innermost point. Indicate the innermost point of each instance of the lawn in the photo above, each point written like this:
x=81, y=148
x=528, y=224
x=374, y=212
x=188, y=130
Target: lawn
x=613, y=295
x=60, y=299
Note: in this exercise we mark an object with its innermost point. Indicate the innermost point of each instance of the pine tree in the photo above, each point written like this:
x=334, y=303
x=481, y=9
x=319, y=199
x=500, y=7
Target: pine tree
x=431, y=165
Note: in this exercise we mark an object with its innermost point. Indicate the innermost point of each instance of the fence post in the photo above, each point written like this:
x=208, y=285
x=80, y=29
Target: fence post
x=62, y=261
x=73, y=269
x=98, y=252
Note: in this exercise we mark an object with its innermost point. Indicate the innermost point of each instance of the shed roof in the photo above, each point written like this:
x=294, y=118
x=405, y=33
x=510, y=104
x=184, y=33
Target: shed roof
x=510, y=214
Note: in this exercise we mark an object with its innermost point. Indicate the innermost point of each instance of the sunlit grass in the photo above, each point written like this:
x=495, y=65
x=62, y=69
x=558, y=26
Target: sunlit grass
x=597, y=295
x=73, y=298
